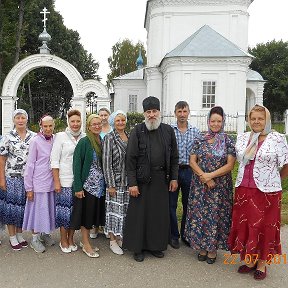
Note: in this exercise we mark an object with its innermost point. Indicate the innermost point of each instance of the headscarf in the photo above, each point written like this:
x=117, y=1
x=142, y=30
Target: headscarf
x=45, y=117
x=113, y=116
x=20, y=111
x=96, y=146
x=69, y=131
x=251, y=149
x=218, y=146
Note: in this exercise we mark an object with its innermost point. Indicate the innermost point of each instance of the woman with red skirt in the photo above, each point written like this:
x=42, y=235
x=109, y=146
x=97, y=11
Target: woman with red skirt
x=255, y=230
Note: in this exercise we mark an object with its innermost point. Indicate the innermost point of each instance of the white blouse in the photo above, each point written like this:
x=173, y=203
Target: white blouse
x=62, y=156
x=271, y=156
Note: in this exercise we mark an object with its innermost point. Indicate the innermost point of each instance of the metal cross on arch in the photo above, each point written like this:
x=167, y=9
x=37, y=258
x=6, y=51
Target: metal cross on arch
x=45, y=12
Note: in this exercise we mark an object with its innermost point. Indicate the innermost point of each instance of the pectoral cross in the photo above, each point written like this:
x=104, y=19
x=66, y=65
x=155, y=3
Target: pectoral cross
x=45, y=12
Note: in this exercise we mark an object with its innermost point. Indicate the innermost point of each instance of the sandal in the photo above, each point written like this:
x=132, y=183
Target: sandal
x=202, y=257
x=93, y=254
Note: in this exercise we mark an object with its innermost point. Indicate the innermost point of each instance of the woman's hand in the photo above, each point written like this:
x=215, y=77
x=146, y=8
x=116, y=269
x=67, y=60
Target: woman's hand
x=211, y=184
x=80, y=194
x=205, y=177
x=134, y=191
x=57, y=186
x=30, y=195
x=112, y=191
x=3, y=184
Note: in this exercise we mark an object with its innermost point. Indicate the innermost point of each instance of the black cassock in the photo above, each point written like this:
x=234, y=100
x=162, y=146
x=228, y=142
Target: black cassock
x=147, y=220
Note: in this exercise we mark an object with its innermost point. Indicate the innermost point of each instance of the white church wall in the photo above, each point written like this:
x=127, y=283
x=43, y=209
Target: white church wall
x=184, y=82
x=124, y=88
x=181, y=22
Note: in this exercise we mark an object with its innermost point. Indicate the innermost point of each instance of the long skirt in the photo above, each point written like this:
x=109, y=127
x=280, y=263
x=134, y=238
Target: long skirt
x=2, y=201
x=255, y=223
x=116, y=209
x=40, y=213
x=88, y=212
x=148, y=221
x=64, y=204
x=14, y=201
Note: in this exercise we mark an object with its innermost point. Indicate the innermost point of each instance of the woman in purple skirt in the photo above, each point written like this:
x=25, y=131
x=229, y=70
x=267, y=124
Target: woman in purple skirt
x=39, y=215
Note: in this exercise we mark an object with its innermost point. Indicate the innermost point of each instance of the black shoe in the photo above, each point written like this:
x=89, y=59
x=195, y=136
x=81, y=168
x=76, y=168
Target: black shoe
x=185, y=242
x=211, y=260
x=202, y=257
x=174, y=243
x=158, y=254
x=139, y=257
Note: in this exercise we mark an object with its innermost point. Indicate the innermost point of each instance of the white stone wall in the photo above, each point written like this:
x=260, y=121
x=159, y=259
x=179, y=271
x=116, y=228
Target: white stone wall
x=183, y=81
x=123, y=88
x=168, y=26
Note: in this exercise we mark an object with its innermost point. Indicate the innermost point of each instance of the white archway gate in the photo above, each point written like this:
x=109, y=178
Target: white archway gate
x=79, y=86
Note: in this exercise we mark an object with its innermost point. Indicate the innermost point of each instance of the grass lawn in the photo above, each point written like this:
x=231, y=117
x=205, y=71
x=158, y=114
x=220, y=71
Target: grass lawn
x=284, y=211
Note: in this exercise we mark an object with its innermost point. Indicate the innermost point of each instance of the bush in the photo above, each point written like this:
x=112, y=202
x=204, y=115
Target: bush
x=60, y=125
x=133, y=118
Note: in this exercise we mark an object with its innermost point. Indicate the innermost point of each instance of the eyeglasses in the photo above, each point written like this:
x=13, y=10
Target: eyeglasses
x=96, y=125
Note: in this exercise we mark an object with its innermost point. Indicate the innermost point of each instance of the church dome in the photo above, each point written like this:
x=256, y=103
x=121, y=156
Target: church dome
x=139, y=61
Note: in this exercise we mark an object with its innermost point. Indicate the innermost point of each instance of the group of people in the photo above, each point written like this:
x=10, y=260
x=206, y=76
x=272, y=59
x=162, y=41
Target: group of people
x=129, y=184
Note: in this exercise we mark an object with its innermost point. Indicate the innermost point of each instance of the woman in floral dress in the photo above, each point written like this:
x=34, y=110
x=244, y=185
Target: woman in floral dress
x=88, y=185
x=13, y=156
x=210, y=200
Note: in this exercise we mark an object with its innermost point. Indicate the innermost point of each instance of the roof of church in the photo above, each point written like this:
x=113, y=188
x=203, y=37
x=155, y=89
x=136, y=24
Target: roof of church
x=206, y=42
x=254, y=76
x=134, y=75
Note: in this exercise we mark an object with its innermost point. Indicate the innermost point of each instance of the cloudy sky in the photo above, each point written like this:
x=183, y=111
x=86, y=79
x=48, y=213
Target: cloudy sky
x=102, y=23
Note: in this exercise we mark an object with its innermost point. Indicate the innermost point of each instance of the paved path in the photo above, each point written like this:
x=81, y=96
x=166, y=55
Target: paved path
x=179, y=268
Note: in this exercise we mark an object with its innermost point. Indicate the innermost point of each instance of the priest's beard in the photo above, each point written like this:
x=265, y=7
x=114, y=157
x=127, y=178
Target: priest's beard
x=153, y=124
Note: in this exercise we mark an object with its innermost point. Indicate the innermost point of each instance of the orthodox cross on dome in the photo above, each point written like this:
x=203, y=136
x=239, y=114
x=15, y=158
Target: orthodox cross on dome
x=45, y=12
x=44, y=37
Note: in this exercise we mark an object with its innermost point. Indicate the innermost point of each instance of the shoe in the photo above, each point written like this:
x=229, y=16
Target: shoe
x=174, y=243
x=74, y=247
x=259, y=275
x=24, y=244
x=202, y=257
x=139, y=257
x=120, y=243
x=82, y=245
x=115, y=248
x=65, y=249
x=157, y=254
x=16, y=247
x=244, y=269
x=93, y=254
x=37, y=246
x=46, y=238
x=93, y=235
x=211, y=260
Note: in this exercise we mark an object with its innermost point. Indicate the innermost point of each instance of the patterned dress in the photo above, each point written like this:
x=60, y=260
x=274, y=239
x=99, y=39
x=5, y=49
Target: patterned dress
x=114, y=153
x=209, y=211
x=12, y=202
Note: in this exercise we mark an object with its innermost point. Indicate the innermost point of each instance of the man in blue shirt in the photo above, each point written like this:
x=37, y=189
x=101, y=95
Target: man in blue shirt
x=185, y=136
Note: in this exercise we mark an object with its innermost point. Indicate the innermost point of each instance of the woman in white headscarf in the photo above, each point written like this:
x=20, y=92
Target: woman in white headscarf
x=263, y=157
x=117, y=194
x=13, y=156
x=62, y=168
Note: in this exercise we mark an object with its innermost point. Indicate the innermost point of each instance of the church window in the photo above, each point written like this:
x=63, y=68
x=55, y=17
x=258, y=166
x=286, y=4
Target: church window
x=132, y=103
x=208, y=96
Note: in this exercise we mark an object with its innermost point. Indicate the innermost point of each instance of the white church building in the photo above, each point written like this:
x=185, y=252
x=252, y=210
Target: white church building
x=197, y=51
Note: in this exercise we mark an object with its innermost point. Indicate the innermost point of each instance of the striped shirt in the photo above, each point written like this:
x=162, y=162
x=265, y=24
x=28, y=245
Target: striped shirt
x=185, y=142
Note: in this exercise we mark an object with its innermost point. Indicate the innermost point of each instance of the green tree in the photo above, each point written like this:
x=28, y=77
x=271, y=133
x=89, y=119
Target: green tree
x=271, y=61
x=20, y=26
x=123, y=59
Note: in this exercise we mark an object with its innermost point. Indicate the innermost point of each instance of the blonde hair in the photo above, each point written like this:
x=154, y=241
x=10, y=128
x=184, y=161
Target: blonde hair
x=257, y=108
